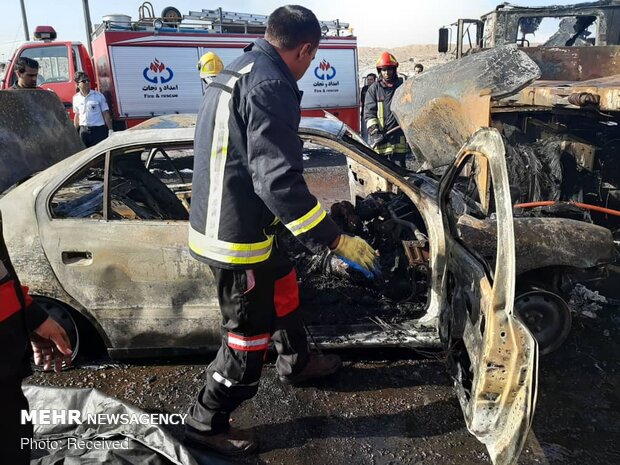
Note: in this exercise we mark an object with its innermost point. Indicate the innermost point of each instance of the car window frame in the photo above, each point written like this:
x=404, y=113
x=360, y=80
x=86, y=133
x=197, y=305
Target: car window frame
x=107, y=154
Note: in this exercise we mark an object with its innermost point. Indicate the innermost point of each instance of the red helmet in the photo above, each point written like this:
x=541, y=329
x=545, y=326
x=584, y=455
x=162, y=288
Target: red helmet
x=386, y=60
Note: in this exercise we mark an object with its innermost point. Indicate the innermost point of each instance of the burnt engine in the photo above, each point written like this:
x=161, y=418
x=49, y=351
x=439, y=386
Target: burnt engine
x=392, y=225
x=333, y=293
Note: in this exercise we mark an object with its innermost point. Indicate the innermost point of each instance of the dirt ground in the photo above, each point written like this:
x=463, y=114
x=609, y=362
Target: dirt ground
x=407, y=57
x=395, y=407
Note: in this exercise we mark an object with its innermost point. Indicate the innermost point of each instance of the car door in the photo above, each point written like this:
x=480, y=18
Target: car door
x=129, y=268
x=492, y=356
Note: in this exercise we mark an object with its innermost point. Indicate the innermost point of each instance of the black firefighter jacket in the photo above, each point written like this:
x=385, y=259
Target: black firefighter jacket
x=248, y=165
x=378, y=112
x=18, y=316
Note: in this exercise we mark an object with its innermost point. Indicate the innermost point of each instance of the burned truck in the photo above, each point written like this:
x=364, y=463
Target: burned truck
x=562, y=130
x=564, y=237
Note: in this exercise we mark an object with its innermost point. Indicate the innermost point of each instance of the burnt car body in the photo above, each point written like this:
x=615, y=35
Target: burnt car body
x=438, y=110
x=101, y=237
x=104, y=233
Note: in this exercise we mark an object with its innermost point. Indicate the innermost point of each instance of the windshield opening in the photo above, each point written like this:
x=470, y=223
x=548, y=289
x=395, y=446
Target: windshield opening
x=53, y=63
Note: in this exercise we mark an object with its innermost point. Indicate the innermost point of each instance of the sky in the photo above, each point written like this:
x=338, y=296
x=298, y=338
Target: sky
x=375, y=23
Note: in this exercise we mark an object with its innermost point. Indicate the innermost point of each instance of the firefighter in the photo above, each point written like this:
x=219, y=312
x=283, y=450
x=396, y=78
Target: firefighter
x=92, y=115
x=210, y=65
x=384, y=133
x=247, y=182
x=21, y=321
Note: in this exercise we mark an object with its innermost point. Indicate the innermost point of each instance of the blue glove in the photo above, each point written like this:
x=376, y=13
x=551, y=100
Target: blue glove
x=357, y=267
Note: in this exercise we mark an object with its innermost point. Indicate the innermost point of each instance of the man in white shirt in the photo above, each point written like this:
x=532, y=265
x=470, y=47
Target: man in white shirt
x=92, y=114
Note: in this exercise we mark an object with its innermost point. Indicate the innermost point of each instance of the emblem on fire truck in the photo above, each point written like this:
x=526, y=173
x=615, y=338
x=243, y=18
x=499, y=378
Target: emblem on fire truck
x=325, y=71
x=157, y=73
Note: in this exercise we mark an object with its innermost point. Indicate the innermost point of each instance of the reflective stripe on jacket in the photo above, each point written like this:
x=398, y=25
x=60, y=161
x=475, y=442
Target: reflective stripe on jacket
x=248, y=167
x=396, y=143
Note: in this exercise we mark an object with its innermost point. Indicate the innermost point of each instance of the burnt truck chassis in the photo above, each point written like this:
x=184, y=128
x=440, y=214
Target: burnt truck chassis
x=562, y=128
x=561, y=159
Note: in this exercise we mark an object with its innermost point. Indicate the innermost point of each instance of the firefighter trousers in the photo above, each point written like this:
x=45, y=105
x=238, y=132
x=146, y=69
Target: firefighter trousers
x=256, y=306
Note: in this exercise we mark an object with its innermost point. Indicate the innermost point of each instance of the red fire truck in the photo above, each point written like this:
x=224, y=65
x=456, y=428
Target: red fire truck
x=147, y=67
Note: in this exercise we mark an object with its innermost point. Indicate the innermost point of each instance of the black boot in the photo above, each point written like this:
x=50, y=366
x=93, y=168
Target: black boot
x=232, y=442
x=318, y=366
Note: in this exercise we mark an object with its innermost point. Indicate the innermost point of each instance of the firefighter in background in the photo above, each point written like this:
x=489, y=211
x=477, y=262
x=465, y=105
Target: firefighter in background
x=23, y=324
x=248, y=180
x=384, y=133
x=210, y=65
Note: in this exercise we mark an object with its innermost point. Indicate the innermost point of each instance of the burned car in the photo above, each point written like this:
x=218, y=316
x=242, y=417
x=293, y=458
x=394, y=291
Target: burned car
x=101, y=239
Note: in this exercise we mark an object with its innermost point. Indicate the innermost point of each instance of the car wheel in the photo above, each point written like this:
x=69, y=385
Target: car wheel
x=61, y=314
x=547, y=316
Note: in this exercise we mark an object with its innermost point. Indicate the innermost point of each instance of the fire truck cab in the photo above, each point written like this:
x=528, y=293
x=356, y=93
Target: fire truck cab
x=58, y=63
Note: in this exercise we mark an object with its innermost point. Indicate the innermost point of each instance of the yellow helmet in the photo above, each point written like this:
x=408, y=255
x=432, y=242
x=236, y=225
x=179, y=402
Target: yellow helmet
x=210, y=65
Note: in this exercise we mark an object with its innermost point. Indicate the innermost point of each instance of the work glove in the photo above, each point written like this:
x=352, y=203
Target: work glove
x=110, y=132
x=355, y=251
x=376, y=136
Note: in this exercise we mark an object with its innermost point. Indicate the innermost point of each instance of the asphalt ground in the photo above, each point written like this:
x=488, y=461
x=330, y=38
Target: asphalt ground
x=393, y=407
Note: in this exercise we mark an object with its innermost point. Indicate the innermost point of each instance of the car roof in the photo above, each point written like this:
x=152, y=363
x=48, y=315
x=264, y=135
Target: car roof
x=328, y=126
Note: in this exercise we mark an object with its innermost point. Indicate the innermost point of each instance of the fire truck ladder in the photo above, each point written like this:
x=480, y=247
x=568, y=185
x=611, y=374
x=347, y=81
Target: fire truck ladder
x=221, y=21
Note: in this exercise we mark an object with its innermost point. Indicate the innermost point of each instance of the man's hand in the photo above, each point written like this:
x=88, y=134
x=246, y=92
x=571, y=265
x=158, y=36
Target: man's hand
x=356, y=250
x=50, y=344
x=376, y=136
x=110, y=132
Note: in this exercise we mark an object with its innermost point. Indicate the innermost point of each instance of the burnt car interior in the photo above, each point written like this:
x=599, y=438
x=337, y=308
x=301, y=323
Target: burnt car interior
x=371, y=308
x=144, y=184
x=558, y=157
x=154, y=183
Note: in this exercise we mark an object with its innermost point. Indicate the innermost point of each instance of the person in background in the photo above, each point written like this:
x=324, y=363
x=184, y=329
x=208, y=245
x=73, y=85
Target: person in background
x=27, y=71
x=386, y=136
x=248, y=180
x=369, y=81
x=418, y=68
x=210, y=65
x=24, y=327
x=92, y=114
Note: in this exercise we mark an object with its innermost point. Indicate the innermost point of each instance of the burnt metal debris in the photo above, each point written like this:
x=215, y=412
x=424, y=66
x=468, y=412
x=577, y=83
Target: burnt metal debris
x=562, y=130
x=440, y=109
x=31, y=141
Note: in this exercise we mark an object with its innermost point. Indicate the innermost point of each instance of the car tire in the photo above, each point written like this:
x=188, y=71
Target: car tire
x=546, y=315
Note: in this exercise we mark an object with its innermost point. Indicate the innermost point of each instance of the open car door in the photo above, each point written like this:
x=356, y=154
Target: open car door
x=493, y=357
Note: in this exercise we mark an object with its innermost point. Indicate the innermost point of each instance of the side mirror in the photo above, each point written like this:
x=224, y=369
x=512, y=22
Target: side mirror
x=444, y=37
